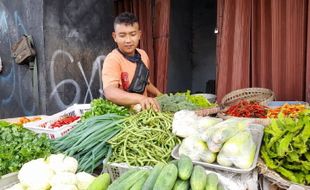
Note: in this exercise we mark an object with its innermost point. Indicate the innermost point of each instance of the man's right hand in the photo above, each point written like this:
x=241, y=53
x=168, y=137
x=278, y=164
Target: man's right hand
x=147, y=103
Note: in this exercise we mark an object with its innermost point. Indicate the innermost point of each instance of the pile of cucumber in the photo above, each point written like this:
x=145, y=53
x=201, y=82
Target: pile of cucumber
x=176, y=175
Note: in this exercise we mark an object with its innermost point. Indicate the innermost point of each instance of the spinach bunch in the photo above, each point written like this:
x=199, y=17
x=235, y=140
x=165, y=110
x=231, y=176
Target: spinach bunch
x=286, y=147
x=18, y=146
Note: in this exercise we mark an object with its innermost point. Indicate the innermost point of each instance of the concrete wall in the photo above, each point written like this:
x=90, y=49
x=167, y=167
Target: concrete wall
x=72, y=38
x=192, y=58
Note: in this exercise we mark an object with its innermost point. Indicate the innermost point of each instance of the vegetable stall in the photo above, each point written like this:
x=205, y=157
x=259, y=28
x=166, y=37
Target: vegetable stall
x=105, y=146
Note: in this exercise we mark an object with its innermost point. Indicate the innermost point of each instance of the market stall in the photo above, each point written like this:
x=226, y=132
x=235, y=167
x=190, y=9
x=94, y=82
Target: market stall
x=192, y=143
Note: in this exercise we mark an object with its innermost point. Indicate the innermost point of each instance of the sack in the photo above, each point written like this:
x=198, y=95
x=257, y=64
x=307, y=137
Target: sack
x=23, y=51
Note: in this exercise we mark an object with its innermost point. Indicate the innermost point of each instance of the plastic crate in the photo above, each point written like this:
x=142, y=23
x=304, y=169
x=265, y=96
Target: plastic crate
x=40, y=126
x=117, y=169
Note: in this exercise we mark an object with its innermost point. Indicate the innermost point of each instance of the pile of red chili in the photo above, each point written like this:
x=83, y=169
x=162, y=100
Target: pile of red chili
x=64, y=121
x=246, y=108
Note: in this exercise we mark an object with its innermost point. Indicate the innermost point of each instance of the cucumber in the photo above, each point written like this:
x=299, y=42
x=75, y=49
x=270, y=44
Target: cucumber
x=166, y=178
x=175, y=162
x=138, y=185
x=220, y=186
x=121, y=178
x=185, y=167
x=181, y=185
x=150, y=181
x=100, y=183
x=127, y=183
x=198, y=179
x=212, y=181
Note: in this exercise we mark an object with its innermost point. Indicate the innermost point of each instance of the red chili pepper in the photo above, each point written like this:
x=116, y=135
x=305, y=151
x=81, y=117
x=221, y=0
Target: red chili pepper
x=64, y=121
x=247, y=109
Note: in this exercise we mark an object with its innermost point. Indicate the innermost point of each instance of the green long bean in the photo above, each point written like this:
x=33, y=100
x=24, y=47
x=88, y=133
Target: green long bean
x=145, y=139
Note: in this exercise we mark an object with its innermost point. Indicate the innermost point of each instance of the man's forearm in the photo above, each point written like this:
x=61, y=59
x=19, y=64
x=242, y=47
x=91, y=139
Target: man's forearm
x=153, y=90
x=122, y=97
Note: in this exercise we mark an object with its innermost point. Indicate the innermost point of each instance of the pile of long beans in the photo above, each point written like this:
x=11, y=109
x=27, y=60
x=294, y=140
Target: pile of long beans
x=87, y=142
x=145, y=139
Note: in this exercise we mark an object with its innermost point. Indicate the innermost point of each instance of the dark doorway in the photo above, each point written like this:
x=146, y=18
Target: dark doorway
x=192, y=46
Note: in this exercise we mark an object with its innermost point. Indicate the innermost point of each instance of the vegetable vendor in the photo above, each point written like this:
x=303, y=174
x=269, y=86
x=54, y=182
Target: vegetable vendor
x=125, y=73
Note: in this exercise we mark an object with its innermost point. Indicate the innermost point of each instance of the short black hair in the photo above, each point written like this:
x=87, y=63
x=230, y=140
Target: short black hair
x=126, y=18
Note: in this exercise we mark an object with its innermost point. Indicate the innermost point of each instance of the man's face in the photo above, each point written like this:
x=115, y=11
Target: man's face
x=127, y=37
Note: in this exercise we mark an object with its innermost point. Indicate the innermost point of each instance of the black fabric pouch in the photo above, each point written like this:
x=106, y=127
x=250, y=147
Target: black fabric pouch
x=140, y=79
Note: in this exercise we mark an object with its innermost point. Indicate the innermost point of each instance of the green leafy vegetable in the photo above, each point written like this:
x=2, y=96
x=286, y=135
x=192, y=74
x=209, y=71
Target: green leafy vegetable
x=182, y=101
x=198, y=100
x=101, y=106
x=18, y=146
x=285, y=147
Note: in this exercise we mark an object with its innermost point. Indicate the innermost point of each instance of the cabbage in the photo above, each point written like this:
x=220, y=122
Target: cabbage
x=192, y=147
x=228, y=129
x=208, y=156
x=240, y=150
x=204, y=123
x=224, y=160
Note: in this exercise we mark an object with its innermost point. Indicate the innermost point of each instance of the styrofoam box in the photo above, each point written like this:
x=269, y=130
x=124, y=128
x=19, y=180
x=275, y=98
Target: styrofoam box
x=39, y=126
x=257, y=132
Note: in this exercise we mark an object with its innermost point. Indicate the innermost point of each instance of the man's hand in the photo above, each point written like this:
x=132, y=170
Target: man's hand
x=147, y=103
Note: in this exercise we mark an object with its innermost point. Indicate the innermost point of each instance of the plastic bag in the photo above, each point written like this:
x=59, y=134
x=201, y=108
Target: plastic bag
x=239, y=150
x=186, y=123
x=192, y=147
x=207, y=156
x=218, y=134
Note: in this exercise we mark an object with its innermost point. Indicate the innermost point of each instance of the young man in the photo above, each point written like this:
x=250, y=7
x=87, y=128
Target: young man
x=125, y=74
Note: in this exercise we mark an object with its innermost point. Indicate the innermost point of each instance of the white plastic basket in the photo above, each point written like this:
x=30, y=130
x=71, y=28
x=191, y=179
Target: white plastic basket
x=117, y=169
x=53, y=133
x=8, y=180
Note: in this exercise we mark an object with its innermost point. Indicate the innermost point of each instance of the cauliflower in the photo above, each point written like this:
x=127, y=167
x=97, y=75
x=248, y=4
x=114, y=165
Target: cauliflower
x=62, y=163
x=64, y=187
x=184, y=123
x=65, y=178
x=84, y=180
x=35, y=174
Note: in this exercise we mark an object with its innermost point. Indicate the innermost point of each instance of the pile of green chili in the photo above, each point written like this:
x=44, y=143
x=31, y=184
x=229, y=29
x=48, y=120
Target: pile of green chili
x=145, y=139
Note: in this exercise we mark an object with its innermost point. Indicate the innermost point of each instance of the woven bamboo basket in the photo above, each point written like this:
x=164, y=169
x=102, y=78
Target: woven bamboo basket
x=275, y=178
x=262, y=95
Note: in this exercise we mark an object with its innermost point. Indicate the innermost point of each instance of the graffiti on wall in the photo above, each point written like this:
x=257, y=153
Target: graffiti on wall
x=96, y=68
x=15, y=80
